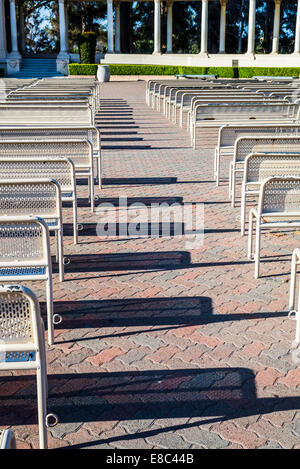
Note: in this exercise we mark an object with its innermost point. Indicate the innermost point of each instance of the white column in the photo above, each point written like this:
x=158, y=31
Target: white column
x=3, y=48
x=251, y=27
x=14, y=30
x=157, y=27
x=297, y=34
x=223, y=4
x=110, y=27
x=276, y=26
x=118, y=27
x=170, y=27
x=204, y=26
x=62, y=28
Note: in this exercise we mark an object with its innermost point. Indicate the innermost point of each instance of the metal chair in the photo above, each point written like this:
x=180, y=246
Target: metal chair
x=278, y=207
x=61, y=170
x=41, y=198
x=22, y=347
x=25, y=255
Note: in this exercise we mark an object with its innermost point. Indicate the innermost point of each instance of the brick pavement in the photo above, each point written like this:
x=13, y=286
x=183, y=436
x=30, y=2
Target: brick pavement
x=164, y=346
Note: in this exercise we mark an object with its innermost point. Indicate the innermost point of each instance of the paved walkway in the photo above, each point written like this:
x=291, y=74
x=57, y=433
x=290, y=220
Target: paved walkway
x=164, y=344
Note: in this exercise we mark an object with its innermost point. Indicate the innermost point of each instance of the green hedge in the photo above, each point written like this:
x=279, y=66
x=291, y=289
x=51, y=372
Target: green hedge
x=223, y=72
x=1, y=72
x=130, y=69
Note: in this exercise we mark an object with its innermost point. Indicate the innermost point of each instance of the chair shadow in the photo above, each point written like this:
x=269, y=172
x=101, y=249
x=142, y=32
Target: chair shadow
x=209, y=395
x=158, y=313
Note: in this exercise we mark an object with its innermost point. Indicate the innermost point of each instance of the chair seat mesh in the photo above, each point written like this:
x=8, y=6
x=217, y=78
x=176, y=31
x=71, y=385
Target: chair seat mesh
x=21, y=271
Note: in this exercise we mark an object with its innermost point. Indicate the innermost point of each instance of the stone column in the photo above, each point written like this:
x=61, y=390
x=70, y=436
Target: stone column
x=170, y=27
x=251, y=27
x=62, y=28
x=14, y=58
x=157, y=27
x=63, y=56
x=204, y=27
x=297, y=34
x=110, y=27
x=118, y=27
x=276, y=26
x=14, y=30
x=3, y=46
x=223, y=4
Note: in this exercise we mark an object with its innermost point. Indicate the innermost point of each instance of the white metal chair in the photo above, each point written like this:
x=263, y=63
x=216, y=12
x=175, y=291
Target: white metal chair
x=278, y=207
x=22, y=346
x=25, y=255
x=41, y=198
x=257, y=144
x=61, y=170
x=261, y=166
x=7, y=439
x=79, y=151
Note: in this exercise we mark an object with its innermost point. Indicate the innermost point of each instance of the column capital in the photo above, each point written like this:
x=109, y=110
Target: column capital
x=223, y=2
x=117, y=3
x=277, y=2
x=170, y=3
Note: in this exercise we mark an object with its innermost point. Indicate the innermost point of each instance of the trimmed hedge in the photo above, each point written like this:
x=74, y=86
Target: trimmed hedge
x=1, y=72
x=131, y=69
x=223, y=72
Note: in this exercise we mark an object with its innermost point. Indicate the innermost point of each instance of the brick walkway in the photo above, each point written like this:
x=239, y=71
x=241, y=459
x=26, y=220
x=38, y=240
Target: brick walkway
x=161, y=346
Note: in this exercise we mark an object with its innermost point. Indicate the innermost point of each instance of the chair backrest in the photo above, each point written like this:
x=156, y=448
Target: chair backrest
x=237, y=111
x=79, y=151
x=260, y=166
x=41, y=197
x=20, y=322
x=61, y=170
x=29, y=115
x=277, y=144
x=90, y=133
x=24, y=242
x=228, y=134
x=280, y=195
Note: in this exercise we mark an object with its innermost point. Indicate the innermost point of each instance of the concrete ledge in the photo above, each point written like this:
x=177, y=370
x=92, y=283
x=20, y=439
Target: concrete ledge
x=211, y=60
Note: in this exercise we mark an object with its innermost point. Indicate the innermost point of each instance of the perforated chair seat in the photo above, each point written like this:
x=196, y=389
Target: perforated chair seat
x=22, y=271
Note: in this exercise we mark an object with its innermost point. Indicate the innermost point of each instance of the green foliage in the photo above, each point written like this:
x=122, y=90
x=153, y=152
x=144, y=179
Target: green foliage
x=1, y=72
x=222, y=72
x=82, y=69
x=248, y=72
x=87, y=47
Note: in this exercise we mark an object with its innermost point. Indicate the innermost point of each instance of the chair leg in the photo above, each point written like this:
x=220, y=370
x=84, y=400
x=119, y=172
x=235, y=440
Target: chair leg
x=233, y=183
x=99, y=172
x=75, y=221
x=257, y=248
x=92, y=193
x=61, y=254
x=49, y=293
x=293, y=282
x=298, y=323
x=56, y=248
x=250, y=236
x=218, y=163
x=42, y=407
x=243, y=211
x=230, y=180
